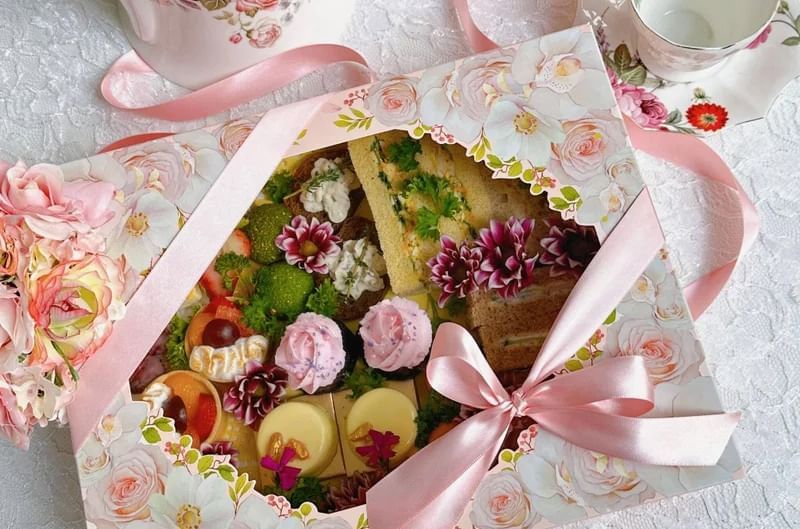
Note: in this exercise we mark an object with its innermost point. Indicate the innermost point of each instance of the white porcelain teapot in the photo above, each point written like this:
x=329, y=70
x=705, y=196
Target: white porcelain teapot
x=197, y=42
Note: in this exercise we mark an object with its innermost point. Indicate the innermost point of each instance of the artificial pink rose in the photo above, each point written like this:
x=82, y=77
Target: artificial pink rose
x=393, y=101
x=255, y=5
x=231, y=135
x=75, y=304
x=16, y=326
x=159, y=165
x=122, y=495
x=587, y=145
x=264, y=34
x=236, y=38
x=14, y=424
x=10, y=249
x=397, y=334
x=669, y=354
x=312, y=352
x=52, y=208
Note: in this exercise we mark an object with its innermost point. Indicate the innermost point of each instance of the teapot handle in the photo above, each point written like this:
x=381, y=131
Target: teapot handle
x=143, y=18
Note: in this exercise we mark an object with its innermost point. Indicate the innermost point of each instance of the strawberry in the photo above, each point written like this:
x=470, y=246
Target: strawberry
x=237, y=243
x=212, y=283
x=220, y=301
x=205, y=417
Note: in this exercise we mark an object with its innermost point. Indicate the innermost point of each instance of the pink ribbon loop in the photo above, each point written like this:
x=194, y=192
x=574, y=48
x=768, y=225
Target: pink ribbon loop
x=254, y=82
x=598, y=408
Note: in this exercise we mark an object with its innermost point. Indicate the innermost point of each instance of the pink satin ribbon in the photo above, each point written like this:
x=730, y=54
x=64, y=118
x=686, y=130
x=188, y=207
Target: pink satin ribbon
x=683, y=150
x=597, y=409
x=183, y=262
x=694, y=154
x=251, y=83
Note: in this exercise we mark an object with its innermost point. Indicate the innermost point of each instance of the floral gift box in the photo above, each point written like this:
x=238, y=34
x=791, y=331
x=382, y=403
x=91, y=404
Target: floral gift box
x=260, y=310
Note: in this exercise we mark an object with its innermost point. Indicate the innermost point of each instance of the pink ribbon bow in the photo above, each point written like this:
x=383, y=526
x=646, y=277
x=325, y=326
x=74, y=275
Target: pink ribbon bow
x=598, y=408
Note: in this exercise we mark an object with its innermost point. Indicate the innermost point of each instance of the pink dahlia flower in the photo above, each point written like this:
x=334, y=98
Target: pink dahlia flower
x=456, y=270
x=309, y=245
x=568, y=248
x=506, y=266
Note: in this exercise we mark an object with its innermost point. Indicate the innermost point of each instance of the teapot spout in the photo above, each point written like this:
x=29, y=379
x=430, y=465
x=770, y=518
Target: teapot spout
x=143, y=18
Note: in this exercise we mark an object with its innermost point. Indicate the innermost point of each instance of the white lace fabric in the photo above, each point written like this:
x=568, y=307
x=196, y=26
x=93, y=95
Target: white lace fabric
x=53, y=54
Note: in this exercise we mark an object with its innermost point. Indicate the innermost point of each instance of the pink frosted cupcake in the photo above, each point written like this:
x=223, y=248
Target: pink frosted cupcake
x=397, y=337
x=312, y=353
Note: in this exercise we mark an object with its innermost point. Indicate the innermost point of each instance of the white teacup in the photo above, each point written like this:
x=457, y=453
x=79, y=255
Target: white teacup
x=685, y=40
x=197, y=42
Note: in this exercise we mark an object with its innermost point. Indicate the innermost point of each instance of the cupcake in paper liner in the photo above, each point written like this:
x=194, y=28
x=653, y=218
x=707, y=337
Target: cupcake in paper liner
x=312, y=352
x=397, y=337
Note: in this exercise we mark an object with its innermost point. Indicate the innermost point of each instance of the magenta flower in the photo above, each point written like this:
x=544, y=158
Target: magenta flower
x=221, y=448
x=381, y=450
x=287, y=476
x=309, y=245
x=506, y=266
x=568, y=248
x=455, y=270
x=256, y=393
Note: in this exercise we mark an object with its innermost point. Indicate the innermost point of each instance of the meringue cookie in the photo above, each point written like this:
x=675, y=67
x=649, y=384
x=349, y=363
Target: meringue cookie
x=224, y=364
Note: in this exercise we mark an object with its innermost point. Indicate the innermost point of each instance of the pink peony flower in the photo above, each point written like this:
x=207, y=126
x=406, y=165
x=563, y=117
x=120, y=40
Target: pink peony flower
x=16, y=326
x=568, y=248
x=394, y=101
x=643, y=107
x=309, y=245
x=456, y=270
x=75, y=304
x=14, y=424
x=264, y=34
x=51, y=207
x=762, y=38
x=255, y=5
x=506, y=266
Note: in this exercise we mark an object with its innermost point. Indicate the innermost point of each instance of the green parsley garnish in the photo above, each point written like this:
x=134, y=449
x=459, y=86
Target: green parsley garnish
x=175, y=354
x=308, y=489
x=445, y=202
x=324, y=300
x=404, y=154
x=435, y=411
x=230, y=265
x=279, y=186
x=363, y=379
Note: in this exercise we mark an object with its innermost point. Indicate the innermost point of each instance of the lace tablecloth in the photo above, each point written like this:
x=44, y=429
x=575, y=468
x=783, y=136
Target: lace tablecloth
x=53, y=54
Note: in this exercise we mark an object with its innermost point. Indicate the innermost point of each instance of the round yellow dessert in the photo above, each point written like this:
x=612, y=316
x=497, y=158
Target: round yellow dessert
x=384, y=410
x=307, y=428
